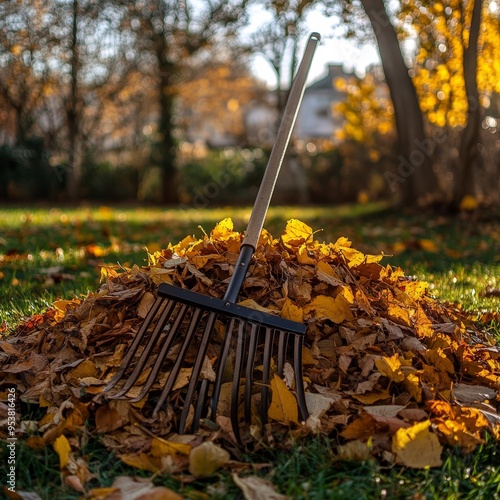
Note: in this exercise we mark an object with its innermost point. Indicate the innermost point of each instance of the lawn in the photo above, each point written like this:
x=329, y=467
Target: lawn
x=47, y=254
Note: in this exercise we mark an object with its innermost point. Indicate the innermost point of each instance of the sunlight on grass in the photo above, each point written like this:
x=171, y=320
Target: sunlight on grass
x=47, y=254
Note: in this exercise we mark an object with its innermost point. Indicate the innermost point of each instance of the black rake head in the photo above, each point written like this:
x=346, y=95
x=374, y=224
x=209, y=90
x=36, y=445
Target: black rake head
x=170, y=350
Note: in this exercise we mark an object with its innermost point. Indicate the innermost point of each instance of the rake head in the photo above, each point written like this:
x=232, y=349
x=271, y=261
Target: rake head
x=171, y=350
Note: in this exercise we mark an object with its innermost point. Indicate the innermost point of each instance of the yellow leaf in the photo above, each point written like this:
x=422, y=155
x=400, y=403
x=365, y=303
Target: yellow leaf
x=251, y=304
x=223, y=230
x=62, y=448
x=291, y=311
x=141, y=461
x=346, y=292
x=283, y=406
x=428, y=245
x=398, y=313
x=415, y=289
x=390, y=367
x=336, y=309
x=468, y=203
x=296, y=233
x=439, y=360
x=205, y=459
x=326, y=273
x=417, y=447
x=84, y=369
x=61, y=306
x=161, y=447
x=371, y=397
x=412, y=384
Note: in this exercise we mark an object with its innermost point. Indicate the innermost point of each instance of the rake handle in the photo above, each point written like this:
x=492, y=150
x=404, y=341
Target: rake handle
x=261, y=205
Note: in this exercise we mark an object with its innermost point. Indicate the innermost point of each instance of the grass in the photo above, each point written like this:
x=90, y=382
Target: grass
x=56, y=252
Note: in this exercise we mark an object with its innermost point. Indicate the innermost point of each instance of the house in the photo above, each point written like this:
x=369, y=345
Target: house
x=317, y=118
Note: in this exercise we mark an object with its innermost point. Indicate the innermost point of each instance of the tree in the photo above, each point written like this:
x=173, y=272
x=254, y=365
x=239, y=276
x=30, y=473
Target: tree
x=169, y=36
x=90, y=68
x=214, y=98
x=277, y=41
x=448, y=81
x=24, y=74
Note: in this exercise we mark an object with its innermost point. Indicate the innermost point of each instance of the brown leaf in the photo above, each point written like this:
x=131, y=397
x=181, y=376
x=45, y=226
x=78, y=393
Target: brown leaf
x=107, y=419
x=257, y=488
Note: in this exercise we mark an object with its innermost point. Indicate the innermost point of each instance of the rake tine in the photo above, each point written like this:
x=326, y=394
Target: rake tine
x=221, y=364
x=297, y=362
x=282, y=346
x=268, y=347
x=254, y=334
x=200, y=403
x=186, y=342
x=167, y=343
x=164, y=317
x=159, y=302
x=235, y=391
x=196, y=369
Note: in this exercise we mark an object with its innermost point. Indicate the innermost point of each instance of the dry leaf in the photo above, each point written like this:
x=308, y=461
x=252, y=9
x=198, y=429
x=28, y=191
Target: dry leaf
x=257, y=488
x=207, y=458
x=417, y=447
x=283, y=403
x=145, y=304
x=63, y=449
x=354, y=451
x=107, y=419
x=335, y=309
x=390, y=367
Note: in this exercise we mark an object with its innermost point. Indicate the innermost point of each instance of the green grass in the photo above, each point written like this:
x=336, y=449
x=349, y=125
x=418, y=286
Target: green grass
x=457, y=256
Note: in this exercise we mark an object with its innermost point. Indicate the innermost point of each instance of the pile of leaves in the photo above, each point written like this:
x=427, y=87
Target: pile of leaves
x=389, y=371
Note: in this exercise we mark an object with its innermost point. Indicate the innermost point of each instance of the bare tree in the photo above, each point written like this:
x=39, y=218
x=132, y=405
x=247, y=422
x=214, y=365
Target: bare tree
x=169, y=34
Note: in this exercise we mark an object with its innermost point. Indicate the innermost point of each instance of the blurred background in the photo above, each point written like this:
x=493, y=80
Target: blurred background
x=177, y=101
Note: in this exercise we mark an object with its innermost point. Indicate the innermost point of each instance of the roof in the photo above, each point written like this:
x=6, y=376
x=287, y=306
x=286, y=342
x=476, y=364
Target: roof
x=334, y=71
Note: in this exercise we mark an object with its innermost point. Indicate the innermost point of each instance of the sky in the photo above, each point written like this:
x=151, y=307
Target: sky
x=330, y=51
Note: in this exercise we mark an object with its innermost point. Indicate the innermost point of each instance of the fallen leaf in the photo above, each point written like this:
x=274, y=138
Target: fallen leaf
x=257, y=488
x=62, y=448
x=207, y=458
x=383, y=410
x=335, y=309
x=417, y=447
x=145, y=304
x=283, y=406
x=296, y=233
x=356, y=451
x=390, y=367
x=466, y=393
x=107, y=419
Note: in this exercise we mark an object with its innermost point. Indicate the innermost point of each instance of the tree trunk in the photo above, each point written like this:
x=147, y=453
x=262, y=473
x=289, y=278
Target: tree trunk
x=415, y=178
x=166, y=147
x=470, y=159
x=72, y=115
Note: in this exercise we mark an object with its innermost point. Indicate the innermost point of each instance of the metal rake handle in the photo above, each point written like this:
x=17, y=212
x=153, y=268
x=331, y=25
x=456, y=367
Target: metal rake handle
x=265, y=193
x=268, y=182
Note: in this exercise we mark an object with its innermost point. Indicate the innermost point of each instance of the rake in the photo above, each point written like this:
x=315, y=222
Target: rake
x=180, y=325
